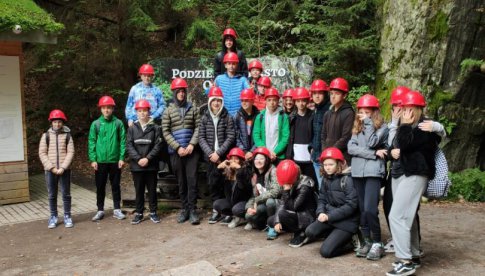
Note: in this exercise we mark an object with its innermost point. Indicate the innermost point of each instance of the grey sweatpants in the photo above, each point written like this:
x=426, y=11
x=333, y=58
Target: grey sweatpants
x=407, y=192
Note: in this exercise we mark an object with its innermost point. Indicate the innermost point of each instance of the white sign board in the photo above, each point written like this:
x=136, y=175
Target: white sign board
x=11, y=131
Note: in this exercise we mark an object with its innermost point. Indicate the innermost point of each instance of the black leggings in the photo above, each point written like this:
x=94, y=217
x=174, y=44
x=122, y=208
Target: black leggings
x=368, y=192
x=288, y=220
x=223, y=206
x=336, y=241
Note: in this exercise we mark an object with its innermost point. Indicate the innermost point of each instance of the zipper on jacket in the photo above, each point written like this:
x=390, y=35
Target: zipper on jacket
x=57, y=149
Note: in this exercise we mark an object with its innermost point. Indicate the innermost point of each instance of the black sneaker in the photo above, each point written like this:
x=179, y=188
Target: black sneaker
x=364, y=249
x=402, y=268
x=154, y=217
x=298, y=240
x=415, y=260
x=183, y=216
x=137, y=219
x=215, y=217
x=226, y=220
x=194, y=217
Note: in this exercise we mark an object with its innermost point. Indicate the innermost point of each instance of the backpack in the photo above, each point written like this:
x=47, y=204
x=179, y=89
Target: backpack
x=47, y=139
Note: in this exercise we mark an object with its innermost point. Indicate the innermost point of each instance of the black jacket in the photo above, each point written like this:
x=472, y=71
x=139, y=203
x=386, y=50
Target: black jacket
x=300, y=199
x=242, y=67
x=291, y=141
x=316, y=145
x=143, y=143
x=338, y=200
x=226, y=136
x=240, y=189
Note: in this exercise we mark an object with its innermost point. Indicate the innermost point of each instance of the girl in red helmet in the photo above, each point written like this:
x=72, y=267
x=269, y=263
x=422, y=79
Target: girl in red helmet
x=237, y=188
x=337, y=207
x=255, y=70
x=288, y=101
x=229, y=45
x=296, y=209
x=368, y=150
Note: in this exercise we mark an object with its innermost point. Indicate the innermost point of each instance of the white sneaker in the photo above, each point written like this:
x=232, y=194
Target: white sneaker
x=248, y=226
x=68, y=221
x=117, y=213
x=389, y=247
x=99, y=216
x=236, y=222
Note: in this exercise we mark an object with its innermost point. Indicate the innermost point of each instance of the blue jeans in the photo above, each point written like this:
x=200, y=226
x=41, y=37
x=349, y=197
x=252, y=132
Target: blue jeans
x=52, y=180
x=316, y=166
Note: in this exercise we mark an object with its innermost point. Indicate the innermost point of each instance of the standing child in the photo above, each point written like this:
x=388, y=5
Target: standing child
x=297, y=204
x=301, y=133
x=368, y=150
x=255, y=70
x=271, y=127
x=244, y=122
x=263, y=84
x=337, y=123
x=143, y=146
x=56, y=151
x=337, y=210
x=106, y=150
x=216, y=137
x=288, y=101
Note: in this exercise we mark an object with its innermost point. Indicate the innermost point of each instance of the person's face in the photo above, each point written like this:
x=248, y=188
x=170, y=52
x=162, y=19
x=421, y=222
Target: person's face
x=336, y=97
x=247, y=104
x=259, y=161
x=367, y=112
x=330, y=166
x=272, y=103
x=143, y=114
x=255, y=73
x=235, y=159
x=229, y=42
x=180, y=94
x=288, y=102
x=107, y=110
x=146, y=79
x=216, y=105
x=318, y=96
x=57, y=124
x=261, y=89
x=301, y=104
x=231, y=67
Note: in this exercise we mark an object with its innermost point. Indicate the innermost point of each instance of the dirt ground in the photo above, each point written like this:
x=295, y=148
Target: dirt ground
x=453, y=240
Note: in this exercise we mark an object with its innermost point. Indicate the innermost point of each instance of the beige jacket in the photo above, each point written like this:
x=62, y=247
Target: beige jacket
x=57, y=155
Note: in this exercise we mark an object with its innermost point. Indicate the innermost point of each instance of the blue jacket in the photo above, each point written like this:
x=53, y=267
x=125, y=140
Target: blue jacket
x=152, y=94
x=231, y=88
x=316, y=144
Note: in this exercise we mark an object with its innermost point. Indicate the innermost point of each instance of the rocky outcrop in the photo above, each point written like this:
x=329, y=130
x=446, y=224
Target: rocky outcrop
x=422, y=46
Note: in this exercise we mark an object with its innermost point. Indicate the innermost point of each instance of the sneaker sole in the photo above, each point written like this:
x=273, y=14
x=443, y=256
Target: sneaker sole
x=118, y=218
x=51, y=227
x=155, y=221
x=69, y=225
x=212, y=222
x=374, y=259
x=135, y=223
x=410, y=272
x=195, y=223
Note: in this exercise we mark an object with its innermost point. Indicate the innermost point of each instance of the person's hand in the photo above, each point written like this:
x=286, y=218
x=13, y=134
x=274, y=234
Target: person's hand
x=382, y=153
x=223, y=165
x=143, y=162
x=395, y=153
x=286, y=187
x=130, y=123
x=426, y=125
x=94, y=165
x=181, y=152
x=251, y=211
x=214, y=157
x=249, y=155
x=361, y=116
x=278, y=228
x=54, y=170
x=120, y=164
x=234, y=165
x=407, y=116
x=396, y=113
x=273, y=155
x=322, y=217
x=189, y=149
x=60, y=171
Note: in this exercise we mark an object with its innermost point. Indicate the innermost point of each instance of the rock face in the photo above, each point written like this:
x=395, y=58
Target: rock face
x=422, y=46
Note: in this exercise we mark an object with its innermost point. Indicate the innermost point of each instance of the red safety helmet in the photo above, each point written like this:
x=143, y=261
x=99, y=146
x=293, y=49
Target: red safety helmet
x=397, y=94
x=301, y=94
x=178, y=83
x=271, y=92
x=215, y=92
x=255, y=64
x=57, y=114
x=264, y=81
x=236, y=152
x=413, y=98
x=262, y=150
x=247, y=94
x=287, y=172
x=318, y=85
x=230, y=32
x=231, y=57
x=339, y=84
x=106, y=101
x=142, y=104
x=288, y=93
x=146, y=69
x=332, y=153
x=368, y=100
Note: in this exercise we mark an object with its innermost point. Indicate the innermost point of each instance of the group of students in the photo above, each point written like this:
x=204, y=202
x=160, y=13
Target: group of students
x=283, y=167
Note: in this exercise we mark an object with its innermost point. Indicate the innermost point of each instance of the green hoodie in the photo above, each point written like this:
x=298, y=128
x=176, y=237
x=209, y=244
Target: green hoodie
x=259, y=133
x=108, y=144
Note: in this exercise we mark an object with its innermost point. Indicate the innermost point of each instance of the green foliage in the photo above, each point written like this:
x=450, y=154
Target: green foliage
x=469, y=184
x=165, y=87
x=438, y=98
x=438, y=26
x=468, y=65
x=447, y=124
x=383, y=93
x=357, y=92
x=28, y=15
x=199, y=31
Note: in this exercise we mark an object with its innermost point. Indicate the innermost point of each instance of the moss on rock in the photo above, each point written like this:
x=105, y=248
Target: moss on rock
x=438, y=26
x=28, y=15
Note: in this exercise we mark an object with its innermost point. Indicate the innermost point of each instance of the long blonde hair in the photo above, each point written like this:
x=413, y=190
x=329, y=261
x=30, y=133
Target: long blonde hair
x=376, y=118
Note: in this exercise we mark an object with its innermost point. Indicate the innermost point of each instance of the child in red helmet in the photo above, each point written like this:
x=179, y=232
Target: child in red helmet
x=106, y=151
x=337, y=209
x=143, y=146
x=229, y=45
x=288, y=101
x=56, y=151
x=296, y=209
x=255, y=70
x=368, y=150
x=244, y=122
